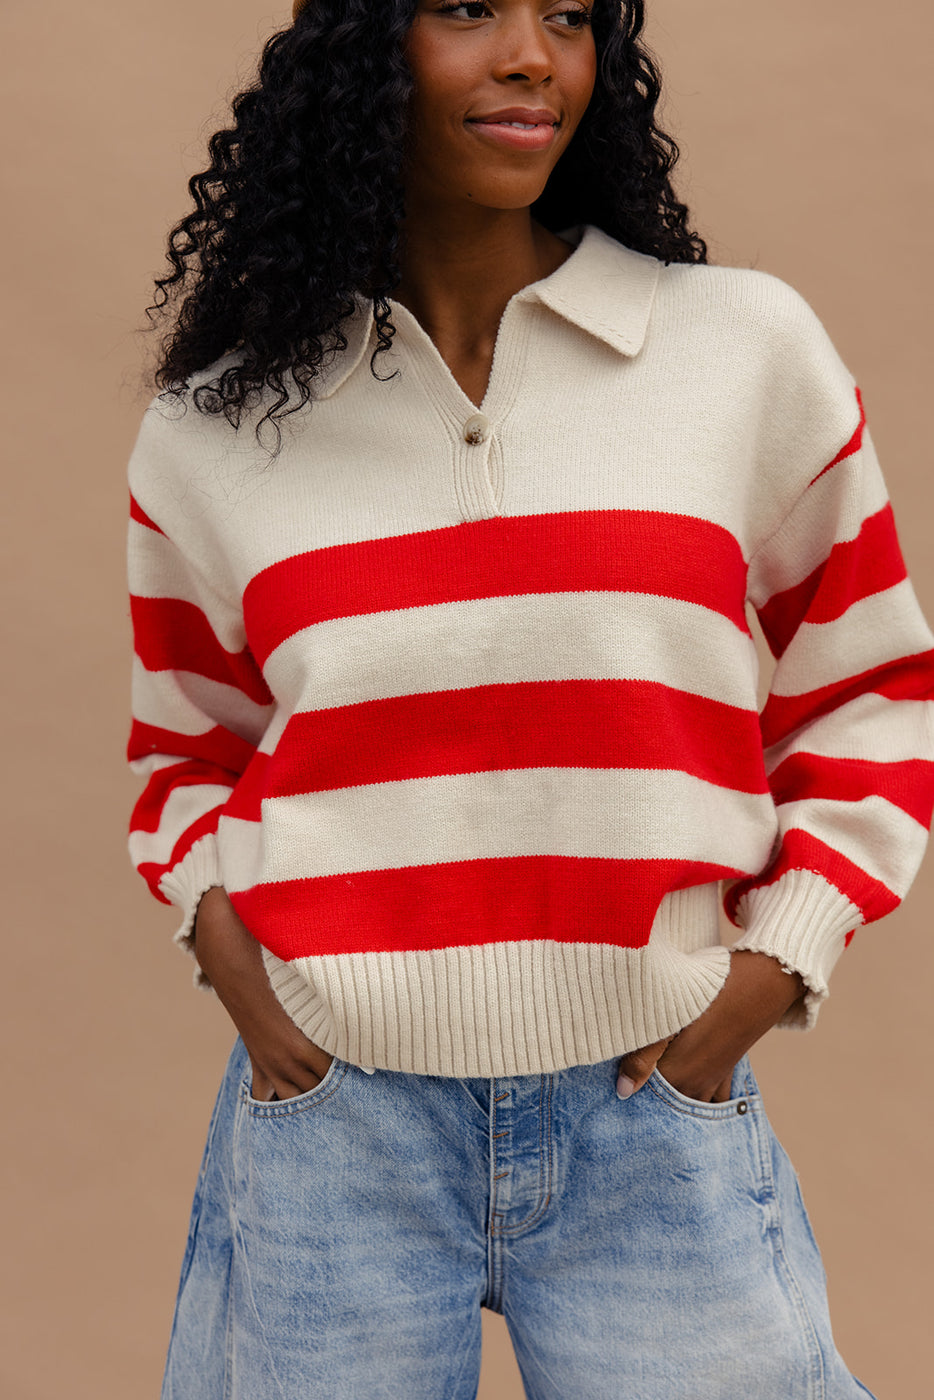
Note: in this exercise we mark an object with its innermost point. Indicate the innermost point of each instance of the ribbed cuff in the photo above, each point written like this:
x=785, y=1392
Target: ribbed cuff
x=198, y=871
x=802, y=920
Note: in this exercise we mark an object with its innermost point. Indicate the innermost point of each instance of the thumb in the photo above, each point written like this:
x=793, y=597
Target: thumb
x=636, y=1067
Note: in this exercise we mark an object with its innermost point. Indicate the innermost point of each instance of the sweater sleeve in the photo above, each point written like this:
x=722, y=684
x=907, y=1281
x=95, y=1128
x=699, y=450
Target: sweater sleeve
x=200, y=703
x=847, y=729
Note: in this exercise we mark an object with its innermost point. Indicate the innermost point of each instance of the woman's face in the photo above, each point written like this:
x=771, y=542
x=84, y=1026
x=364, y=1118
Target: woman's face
x=500, y=87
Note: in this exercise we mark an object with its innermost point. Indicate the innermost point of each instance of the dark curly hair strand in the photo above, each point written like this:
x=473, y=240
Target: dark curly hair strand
x=299, y=211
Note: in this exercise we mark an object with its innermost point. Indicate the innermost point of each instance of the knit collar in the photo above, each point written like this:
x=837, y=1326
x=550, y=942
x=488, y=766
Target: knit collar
x=604, y=288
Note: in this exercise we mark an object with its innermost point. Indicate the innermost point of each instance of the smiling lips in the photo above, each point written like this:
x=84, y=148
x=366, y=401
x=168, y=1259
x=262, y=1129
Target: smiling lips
x=522, y=128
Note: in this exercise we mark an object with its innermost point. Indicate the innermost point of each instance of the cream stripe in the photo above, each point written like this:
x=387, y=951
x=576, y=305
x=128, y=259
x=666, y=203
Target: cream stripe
x=227, y=705
x=549, y=636
x=870, y=727
x=153, y=763
x=874, y=834
x=817, y=523
x=876, y=630
x=631, y=814
x=159, y=700
x=192, y=705
x=183, y=807
x=156, y=569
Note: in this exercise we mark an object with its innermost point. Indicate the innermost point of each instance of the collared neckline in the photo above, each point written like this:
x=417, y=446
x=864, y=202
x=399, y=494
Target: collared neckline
x=602, y=287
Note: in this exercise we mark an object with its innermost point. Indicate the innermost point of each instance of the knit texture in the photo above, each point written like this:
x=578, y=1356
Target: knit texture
x=459, y=705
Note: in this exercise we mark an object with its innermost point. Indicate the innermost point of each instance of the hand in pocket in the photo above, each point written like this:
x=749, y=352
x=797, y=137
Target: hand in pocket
x=285, y=1062
x=700, y=1059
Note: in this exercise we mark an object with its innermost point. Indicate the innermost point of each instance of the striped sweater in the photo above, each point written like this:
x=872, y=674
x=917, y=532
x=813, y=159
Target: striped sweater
x=460, y=706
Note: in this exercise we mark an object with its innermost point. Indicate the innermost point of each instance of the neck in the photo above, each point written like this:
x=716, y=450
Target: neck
x=460, y=268
x=466, y=266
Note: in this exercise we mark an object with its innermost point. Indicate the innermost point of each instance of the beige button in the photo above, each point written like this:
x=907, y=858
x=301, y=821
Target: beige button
x=477, y=429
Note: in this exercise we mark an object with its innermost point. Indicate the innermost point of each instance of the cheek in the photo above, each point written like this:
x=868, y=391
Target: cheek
x=580, y=82
x=442, y=84
x=575, y=69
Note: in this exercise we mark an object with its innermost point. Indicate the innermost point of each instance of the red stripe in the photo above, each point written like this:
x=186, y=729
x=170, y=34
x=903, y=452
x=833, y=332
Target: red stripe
x=139, y=515
x=908, y=785
x=854, y=444
x=907, y=678
x=147, y=813
x=801, y=851
x=172, y=635
x=152, y=871
x=673, y=556
x=487, y=728
x=246, y=799
x=853, y=570
x=217, y=747
x=461, y=903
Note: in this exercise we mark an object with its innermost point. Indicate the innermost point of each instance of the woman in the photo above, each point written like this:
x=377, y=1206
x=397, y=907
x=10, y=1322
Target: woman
x=447, y=705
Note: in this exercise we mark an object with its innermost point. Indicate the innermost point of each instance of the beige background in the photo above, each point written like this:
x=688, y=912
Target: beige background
x=807, y=130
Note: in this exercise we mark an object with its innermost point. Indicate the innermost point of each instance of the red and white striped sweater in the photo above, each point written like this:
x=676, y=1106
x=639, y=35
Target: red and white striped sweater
x=461, y=708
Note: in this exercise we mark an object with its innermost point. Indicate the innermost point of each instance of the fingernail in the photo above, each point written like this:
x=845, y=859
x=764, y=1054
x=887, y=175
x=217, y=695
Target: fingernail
x=624, y=1086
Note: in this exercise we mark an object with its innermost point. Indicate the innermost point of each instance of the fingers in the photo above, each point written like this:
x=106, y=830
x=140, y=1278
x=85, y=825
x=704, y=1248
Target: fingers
x=279, y=1085
x=299, y=1061
x=261, y=1086
x=699, y=1060
x=699, y=1064
x=279, y=1075
x=636, y=1067
x=724, y=1090
x=314, y=1059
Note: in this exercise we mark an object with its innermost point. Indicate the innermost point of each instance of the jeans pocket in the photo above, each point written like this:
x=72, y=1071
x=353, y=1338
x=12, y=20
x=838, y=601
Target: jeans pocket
x=334, y=1076
x=744, y=1095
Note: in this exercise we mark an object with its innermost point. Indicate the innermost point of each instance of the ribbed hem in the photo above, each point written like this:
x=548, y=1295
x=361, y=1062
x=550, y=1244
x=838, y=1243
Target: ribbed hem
x=802, y=920
x=198, y=871
x=496, y=1008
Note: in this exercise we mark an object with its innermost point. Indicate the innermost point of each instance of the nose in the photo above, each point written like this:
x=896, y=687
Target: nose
x=524, y=54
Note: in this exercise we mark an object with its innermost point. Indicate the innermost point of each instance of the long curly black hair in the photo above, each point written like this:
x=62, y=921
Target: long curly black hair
x=300, y=208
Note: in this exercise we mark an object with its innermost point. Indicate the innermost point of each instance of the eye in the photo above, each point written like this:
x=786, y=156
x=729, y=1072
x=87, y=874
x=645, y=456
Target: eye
x=577, y=18
x=472, y=9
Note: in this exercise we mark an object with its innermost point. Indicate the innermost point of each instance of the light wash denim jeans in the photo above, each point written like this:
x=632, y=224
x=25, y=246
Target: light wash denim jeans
x=342, y=1244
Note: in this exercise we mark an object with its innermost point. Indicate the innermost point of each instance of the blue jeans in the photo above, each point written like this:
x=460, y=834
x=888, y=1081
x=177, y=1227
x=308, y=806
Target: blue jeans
x=342, y=1244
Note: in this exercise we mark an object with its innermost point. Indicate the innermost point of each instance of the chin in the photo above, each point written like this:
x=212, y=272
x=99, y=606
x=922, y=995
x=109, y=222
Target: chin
x=505, y=194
